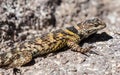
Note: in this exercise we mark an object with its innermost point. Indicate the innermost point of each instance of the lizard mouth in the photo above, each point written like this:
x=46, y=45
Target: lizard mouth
x=102, y=26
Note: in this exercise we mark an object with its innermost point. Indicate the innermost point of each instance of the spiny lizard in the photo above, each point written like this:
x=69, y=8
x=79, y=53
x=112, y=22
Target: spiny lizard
x=70, y=36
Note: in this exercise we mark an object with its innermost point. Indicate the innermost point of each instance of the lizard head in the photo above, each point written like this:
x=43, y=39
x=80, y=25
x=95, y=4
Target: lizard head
x=90, y=26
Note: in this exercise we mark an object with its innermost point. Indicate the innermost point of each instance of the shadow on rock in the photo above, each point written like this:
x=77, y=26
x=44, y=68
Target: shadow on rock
x=97, y=38
x=32, y=62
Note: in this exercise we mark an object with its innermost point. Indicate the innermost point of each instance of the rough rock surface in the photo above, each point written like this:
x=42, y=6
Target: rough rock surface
x=22, y=19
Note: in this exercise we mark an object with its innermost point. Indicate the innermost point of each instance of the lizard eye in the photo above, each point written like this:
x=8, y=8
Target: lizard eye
x=96, y=25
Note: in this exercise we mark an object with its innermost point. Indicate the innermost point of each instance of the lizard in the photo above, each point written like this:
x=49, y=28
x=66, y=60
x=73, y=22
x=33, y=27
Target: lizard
x=51, y=42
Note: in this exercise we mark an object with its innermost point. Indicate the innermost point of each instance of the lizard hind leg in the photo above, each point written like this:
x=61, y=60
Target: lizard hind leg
x=20, y=58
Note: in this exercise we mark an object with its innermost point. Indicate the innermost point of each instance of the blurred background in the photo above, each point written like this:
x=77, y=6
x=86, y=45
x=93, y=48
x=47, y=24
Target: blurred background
x=22, y=20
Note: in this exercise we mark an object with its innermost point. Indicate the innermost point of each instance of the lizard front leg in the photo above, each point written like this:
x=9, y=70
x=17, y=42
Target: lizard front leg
x=75, y=47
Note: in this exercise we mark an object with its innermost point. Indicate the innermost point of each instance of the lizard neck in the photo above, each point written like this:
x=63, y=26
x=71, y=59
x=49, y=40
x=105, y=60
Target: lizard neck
x=73, y=29
x=76, y=31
